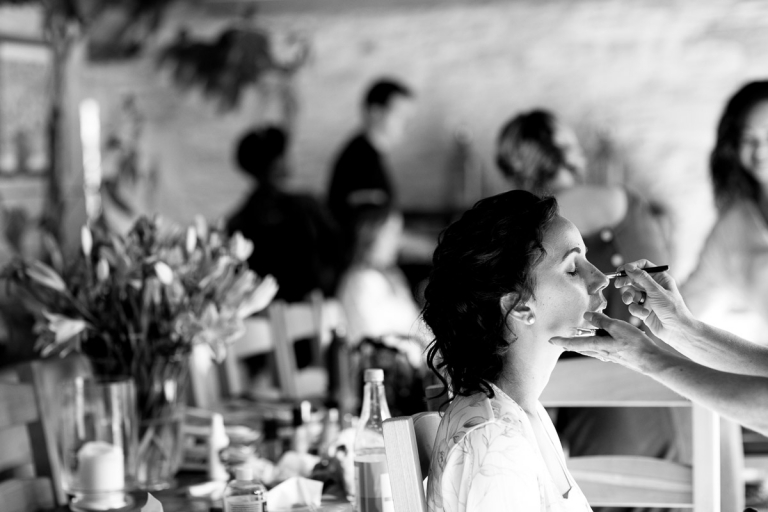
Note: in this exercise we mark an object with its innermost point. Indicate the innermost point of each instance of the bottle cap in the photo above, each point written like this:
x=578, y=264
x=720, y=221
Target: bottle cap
x=374, y=375
x=244, y=473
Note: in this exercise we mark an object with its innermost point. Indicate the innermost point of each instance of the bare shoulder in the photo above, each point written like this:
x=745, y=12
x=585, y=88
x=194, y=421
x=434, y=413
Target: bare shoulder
x=593, y=207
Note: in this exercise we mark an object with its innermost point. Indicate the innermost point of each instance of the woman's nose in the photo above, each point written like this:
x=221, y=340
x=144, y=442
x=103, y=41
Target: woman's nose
x=598, y=280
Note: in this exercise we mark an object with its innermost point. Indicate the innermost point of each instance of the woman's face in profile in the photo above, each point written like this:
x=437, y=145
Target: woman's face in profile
x=753, y=147
x=567, y=284
x=573, y=155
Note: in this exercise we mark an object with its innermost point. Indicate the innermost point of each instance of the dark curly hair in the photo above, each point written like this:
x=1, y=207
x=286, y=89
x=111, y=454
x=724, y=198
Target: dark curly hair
x=258, y=150
x=730, y=179
x=526, y=152
x=490, y=252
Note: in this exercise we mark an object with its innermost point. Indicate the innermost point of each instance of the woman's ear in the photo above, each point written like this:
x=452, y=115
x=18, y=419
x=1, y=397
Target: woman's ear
x=520, y=312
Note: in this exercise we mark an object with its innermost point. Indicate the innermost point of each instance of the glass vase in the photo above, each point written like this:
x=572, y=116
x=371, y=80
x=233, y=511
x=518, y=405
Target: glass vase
x=162, y=399
x=97, y=439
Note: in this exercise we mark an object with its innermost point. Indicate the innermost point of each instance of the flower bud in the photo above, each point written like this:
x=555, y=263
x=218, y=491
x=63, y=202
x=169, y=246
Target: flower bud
x=240, y=247
x=164, y=273
x=191, y=240
x=86, y=240
x=102, y=270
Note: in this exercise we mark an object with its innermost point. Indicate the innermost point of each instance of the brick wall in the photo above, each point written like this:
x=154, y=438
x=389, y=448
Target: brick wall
x=650, y=75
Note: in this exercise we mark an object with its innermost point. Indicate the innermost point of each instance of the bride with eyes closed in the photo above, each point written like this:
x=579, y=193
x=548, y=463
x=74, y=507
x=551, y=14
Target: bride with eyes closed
x=508, y=276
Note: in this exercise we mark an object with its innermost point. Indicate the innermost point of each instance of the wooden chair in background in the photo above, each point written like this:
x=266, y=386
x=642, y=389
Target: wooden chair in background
x=408, y=444
x=29, y=463
x=283, y=325
x=631, y=481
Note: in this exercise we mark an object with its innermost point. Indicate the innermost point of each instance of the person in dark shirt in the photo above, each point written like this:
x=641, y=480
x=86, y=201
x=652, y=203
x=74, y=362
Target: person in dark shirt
x=360, y=175
x=294, y=237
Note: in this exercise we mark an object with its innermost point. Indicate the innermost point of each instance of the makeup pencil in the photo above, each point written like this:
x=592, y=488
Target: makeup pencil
x=650, y=270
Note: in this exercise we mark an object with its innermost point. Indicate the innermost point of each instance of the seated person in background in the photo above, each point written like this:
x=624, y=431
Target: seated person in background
x=508, y=275
x=373, y=291
x=294, y=237
x=383, y=320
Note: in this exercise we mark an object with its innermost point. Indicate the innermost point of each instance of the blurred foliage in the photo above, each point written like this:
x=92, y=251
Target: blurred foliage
x=86, y=11
x=225, y=67
x=116, y=29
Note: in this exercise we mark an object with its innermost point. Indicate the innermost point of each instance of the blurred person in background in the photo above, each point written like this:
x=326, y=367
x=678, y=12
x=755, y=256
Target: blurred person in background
x=383, y=320
x=294, y=237
x=360, y=173
x=537, y=152
x=373, y=290
x=729, y=287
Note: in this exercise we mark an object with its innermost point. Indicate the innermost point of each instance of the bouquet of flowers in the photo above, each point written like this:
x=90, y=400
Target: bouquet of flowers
x=134, y=304
x=127, y=302
x=137, y=305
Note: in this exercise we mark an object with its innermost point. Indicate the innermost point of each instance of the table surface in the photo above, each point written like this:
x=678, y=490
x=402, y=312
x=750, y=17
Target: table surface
x=177, y=499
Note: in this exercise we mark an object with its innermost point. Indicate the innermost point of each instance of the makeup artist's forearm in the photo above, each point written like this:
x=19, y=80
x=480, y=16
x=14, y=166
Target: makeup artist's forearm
x=741, y=398
x=719, y=349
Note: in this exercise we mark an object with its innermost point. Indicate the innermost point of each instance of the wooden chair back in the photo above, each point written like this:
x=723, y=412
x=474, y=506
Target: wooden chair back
x=408, y=442
x=631, y=481
x=28, y=412
x=283, y=325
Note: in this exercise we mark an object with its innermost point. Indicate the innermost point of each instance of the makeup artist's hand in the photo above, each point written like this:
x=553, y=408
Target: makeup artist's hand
x=663, y=311
x=626, y=345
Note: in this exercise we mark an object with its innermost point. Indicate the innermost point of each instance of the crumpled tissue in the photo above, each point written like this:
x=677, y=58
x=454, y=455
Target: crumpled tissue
x=152, y=505
x=295, y=491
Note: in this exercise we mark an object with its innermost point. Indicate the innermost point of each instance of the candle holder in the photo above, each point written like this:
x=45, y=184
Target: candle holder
x=98, y=440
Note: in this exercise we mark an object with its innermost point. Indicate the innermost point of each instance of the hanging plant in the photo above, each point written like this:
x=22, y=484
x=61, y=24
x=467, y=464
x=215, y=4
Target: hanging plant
x=224, y=68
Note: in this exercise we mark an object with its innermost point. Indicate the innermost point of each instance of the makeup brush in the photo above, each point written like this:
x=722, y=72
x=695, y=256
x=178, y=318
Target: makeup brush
x=650, y=270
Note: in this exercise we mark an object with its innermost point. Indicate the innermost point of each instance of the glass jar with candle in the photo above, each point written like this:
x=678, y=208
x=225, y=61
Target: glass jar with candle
x=98, y=440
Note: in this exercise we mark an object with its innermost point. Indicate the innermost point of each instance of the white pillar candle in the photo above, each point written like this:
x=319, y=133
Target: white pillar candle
x=100, y=467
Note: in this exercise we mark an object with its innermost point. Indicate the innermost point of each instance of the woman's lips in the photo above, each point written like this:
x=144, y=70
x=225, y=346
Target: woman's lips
x=600, y=307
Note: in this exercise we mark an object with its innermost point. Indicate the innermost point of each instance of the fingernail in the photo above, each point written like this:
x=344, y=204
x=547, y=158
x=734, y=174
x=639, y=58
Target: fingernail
x=588, y=315
x=630, y=267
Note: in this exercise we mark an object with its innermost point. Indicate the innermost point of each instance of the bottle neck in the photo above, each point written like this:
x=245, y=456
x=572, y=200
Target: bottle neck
x=374, y=403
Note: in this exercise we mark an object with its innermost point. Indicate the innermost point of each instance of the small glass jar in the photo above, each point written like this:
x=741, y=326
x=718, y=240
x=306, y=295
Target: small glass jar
x=98, y=441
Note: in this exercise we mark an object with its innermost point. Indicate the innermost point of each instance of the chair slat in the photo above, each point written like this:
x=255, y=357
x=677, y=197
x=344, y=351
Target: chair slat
x=257, y=339
x=587, y=382
x=425, y=425
x=18, y=404
x=15, y=448
x=611, y=480
x=403, y=465
x=706, y=460
x=302, y=320
x=26, y=495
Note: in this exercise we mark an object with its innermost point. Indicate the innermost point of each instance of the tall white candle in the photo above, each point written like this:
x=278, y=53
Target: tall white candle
x=100, y=467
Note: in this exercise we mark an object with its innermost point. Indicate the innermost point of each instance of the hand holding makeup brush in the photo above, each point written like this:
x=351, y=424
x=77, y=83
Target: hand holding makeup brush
x=654, y=299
